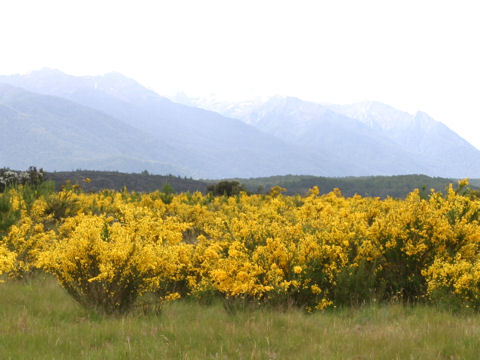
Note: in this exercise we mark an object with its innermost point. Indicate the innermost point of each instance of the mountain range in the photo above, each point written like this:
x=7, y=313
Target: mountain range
x=379, y=138
x=62, y=122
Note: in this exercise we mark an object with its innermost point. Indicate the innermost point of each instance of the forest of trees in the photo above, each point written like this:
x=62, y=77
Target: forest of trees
x=382, y=186
x=92, y=181
x=144, y=182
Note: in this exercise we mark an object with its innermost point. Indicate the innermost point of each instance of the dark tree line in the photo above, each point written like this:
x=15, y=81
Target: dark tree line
x=227, y=188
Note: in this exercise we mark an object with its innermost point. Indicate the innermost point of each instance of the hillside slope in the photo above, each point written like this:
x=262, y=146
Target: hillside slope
x=377, y=137
x=429, y=140
x=55, y=133
x=204, y=142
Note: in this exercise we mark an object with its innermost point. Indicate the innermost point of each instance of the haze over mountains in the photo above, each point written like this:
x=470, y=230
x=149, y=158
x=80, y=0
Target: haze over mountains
x=61, y=122
x=376, y=136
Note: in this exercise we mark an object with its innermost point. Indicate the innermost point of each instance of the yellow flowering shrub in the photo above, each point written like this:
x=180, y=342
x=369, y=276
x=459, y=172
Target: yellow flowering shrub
x=105, y=263
x=25, y=236
x=7, y=260
x=314, y=251
x=26, y=239
x=459, y=279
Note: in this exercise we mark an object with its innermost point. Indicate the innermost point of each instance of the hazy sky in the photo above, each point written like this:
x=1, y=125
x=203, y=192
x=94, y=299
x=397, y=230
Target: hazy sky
x=414, y=55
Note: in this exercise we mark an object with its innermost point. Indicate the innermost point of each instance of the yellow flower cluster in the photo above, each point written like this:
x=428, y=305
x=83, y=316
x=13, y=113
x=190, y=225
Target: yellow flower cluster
x=315, y=251
x=7, y=260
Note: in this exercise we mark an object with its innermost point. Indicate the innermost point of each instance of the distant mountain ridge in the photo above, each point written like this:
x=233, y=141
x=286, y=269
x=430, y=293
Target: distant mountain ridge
x=63, y=122
x=379, y=137
x=447, y=153
x=203, y=143
x=50, y=132
x=322, y=130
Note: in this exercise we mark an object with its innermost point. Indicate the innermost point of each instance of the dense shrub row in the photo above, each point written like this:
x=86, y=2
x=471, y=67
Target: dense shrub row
x=106, y=249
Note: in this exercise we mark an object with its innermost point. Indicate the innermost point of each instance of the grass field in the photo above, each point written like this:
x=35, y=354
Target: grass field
x=38, y=320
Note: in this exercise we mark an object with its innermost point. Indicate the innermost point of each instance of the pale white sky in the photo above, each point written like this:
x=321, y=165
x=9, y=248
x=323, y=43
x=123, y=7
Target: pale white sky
x=414, y=55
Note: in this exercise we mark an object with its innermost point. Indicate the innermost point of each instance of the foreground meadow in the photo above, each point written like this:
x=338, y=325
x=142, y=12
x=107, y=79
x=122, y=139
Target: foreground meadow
x=38, y=320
